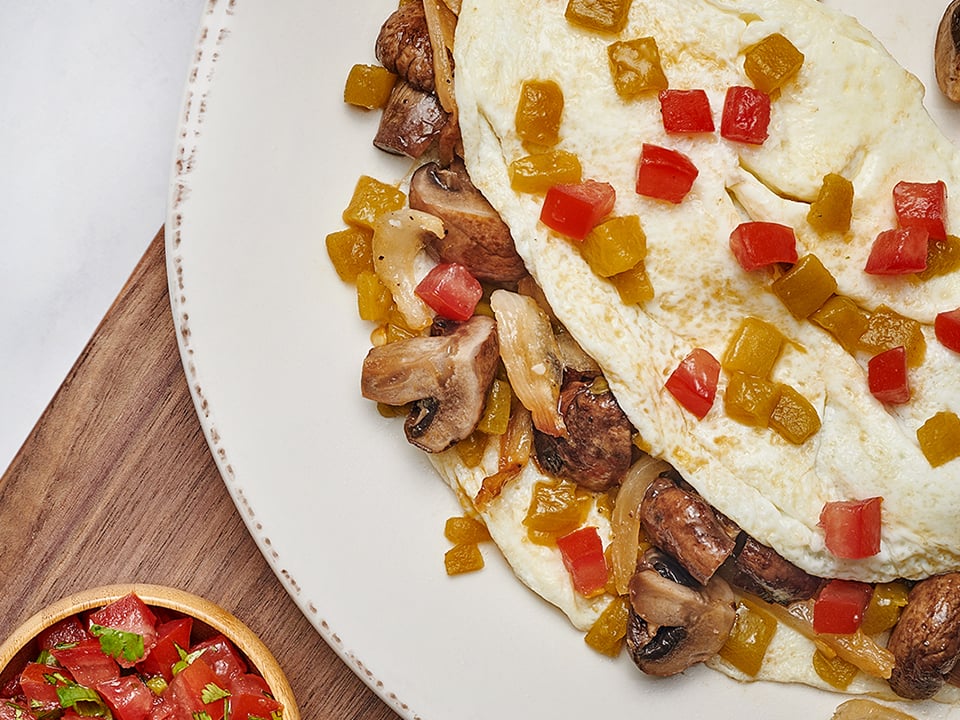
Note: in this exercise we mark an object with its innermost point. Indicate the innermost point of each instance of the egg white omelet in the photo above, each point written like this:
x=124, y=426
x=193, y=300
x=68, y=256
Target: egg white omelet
x=851, y=110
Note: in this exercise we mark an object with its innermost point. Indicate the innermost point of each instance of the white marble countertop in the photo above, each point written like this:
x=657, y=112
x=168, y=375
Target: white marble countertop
x=91, y=93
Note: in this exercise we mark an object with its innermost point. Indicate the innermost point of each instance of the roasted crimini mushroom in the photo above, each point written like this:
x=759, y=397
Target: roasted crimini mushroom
x=445, y=377
x=412, y=122
x=675, y=622
x=759, y=569
x=404, y=48
x=947, y=52
x=926, y=641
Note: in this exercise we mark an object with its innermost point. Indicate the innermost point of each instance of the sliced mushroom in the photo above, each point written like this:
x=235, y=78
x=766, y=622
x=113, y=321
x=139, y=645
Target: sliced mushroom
x=404, y=48
x=446, y=377
x=762, y=571
x=926, y=641
x=947, y=52
x=675, y=622
x=682, y=524
x=597, y=449
x=476, y=236
x=412, y=121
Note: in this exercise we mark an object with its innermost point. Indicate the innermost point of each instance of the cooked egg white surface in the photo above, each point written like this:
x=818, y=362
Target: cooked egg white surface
x=850, y=110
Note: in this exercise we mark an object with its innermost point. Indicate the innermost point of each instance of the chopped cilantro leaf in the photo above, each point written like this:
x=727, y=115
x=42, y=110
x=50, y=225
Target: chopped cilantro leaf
x=213, y=692
x=118, y=643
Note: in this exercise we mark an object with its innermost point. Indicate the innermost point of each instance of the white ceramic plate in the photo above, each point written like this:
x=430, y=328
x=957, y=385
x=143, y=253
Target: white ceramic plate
x=349, y=515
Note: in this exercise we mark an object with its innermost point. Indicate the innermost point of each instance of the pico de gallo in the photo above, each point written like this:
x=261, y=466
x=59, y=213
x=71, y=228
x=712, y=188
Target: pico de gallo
x=128, y=661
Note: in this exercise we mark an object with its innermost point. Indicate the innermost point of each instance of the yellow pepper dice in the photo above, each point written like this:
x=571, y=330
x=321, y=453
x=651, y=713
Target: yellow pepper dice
x=607, y=633
x=371, y=199
x=772, y=62
x=463, y=559
x=556, y=508
x=805, y=286
x=350, y=250
x=633, y=285
x=749, y=638
x=834, y=671
x=939, y=438
x=472, y=448
x=833, y=208
x=538, y=173
x=496, y=412
x=368, y=86
x=373, y=298
x=887, y=329
x=614, y=246
x=754, y=348
x=608, y=16
x=635, y=67
x=539, y=113
x=465, y=530
x=886, y=603
x=750, y=400
x=794, y=417
x=943, y=256
x=844, y=319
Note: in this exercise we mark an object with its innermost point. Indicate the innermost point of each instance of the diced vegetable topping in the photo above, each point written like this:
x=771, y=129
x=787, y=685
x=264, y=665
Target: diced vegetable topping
x=886, y=603
x=805, y=287
x=371, y=199
x=556, y=508
x=615, y=245
x=943, y=256
x=840, y=606
x=582, y=553
x=939, y=438
x=538, y=173
x=465, y=529
x=749, y=638
x=794, y=417
x=635, y=67
x=450, y=291
x=833, y=208
x=373, y=298
x=749, y=399
x=922, y=205
x=539, y=113
x=368, y=86
x=887, y=376
x=686, y=111
x=851, y=528
x=898, y=252
x=947, y=328
x=664, y=174
x=496, y=411
x=758, y=244
x=633, y=285
x=574, y=210
x=772, y=62
x=607, y=633
x=834, y=670
x=351, y=252
x=844, y=319
x=608, y=16
x=754, y=348
x=463, y=558
x=887, y=329
x=694, y=383
x=746, y=115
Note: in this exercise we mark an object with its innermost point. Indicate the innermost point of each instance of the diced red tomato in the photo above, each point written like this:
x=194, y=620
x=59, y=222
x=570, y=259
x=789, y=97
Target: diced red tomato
x=898, y=252
x=758, y=244
x=87, y=662
x=746, y=115
x=887, y=376
x=582, y=553
x=10, y=710
x=187, y=688
x=947, y=328
x=575, y=209
x=222, y=657
x=922, y=205
x=450, y=291
x=664, y=174
x=127, y=697
x=851, y=528
x=243, y=707
x=839, y=607
x=67, y=631
x=694, y=382
x=248, y=684
x=39, y=683
x=164, y=653
x=686, y=111
x=129, y=614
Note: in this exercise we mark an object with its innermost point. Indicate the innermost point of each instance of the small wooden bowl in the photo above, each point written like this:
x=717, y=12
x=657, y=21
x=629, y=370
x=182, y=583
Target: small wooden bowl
x=210, y=619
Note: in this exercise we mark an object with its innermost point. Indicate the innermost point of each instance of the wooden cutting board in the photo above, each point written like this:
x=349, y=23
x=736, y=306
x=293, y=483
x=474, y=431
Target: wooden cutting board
x=116, y=484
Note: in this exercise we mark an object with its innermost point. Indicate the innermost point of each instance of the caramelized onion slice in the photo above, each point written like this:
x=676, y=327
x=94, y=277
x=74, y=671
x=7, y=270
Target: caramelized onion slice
x=441, y=26
x=625, y=525
x=398, y=239
x=531, y=356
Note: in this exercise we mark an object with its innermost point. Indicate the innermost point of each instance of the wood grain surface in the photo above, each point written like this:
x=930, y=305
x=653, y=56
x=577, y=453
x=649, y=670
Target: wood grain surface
x=116, y=484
